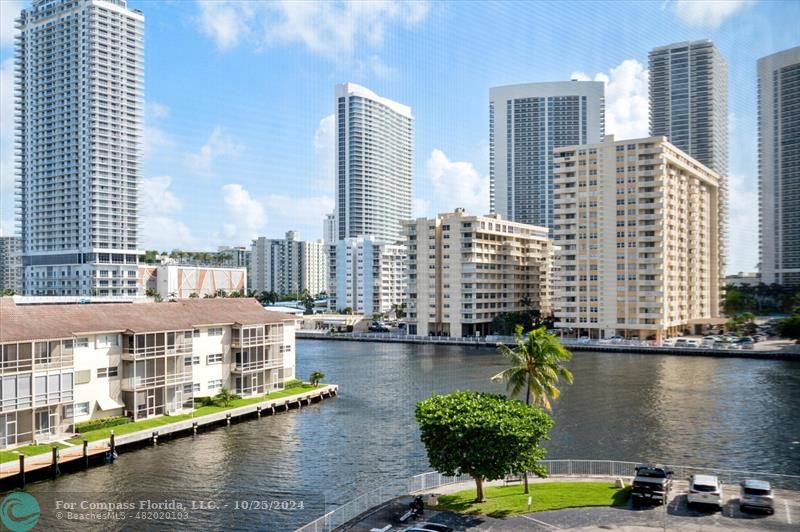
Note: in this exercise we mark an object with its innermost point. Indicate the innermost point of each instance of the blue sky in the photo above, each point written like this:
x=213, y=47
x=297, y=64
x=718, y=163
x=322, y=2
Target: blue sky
x=240, y=95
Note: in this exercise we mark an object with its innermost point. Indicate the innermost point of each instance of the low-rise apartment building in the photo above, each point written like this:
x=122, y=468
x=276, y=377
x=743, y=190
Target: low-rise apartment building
x=184, y=281
x=366, y=276
x=464, y=270
x=638, y=227
x=66, y=363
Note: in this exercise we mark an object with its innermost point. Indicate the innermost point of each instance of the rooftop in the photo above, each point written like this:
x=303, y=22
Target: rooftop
x=20, y=323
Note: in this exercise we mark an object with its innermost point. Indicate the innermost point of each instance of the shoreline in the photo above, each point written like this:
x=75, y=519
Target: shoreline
x=643, y=350
x=78, y=457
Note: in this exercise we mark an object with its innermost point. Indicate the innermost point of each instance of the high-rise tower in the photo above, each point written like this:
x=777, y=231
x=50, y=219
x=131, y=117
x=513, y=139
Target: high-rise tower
x=779, y=166
x=79, y=99
x=374, y=160
x=525, y=123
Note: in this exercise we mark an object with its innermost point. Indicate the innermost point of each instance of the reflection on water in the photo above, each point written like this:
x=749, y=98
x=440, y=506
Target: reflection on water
x=733, y=413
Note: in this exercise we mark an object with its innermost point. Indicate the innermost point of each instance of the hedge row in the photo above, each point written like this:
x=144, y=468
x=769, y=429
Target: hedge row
x=103, y=423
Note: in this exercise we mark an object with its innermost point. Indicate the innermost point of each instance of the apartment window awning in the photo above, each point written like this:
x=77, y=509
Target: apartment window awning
x=107, y=403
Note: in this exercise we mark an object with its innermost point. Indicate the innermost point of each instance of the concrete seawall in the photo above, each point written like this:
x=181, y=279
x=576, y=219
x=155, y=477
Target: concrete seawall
x=78, y=457
x=645, y=350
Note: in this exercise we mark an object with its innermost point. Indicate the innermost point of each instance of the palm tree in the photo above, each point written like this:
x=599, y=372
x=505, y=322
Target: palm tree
x=536, y=367
x=315, y=377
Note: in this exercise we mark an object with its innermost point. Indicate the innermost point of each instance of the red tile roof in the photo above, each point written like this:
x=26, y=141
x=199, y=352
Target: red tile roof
x=41, y=322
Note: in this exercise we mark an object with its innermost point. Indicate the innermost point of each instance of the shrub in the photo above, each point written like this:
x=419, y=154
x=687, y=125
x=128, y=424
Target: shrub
x=104, y=423
x=292, y=383
x=203, y=401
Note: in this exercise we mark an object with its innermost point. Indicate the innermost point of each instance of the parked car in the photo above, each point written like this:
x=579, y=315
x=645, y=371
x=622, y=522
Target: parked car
x=651, y=485
x=432, y=527
x=584, y=340
x=377, y=327
x=759, y=338
x=693, y=343
x=681, y=342
x=705, y=489
x=669, y=342
x=756, y=495
x=720, y=345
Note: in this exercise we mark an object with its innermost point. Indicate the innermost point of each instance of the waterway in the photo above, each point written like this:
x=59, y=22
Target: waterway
x=730, y=413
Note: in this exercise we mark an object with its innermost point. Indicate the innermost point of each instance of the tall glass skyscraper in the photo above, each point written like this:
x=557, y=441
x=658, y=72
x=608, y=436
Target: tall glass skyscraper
x=374, y=160
x=525, y=123
x=779, y=166
x=689, y=100
x=80, y=103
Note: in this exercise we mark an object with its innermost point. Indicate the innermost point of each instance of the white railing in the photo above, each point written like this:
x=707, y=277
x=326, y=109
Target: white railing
x=555, y=468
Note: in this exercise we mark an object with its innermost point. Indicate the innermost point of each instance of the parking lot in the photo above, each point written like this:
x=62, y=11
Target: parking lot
x=674, y=516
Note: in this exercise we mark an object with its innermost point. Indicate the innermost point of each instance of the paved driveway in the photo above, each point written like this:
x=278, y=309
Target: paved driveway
x=675, y=516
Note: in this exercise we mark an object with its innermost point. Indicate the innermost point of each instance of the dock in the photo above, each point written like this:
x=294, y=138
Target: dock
x=491, y=342
x=50, y=465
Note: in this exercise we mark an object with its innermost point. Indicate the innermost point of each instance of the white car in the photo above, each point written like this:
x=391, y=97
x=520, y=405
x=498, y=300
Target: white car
x=705, y=489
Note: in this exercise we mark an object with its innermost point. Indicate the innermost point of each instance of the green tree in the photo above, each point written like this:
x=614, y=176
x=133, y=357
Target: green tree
x=483, y=435
x=790, y=327
x=347, y=310
x=535, y=367
x=221, y=293
x=315, y=377
x=272, y=297
x=224, y=397
x=8, y=292
x=194, y=295
x=742, y=323
x=308, y=302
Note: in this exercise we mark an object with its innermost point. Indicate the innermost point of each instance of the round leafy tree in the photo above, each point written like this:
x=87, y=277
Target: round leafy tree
x=483, y=435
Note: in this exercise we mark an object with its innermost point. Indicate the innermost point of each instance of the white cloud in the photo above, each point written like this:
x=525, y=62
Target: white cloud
x=158, y=206
x=246, y=215
x=374, y=66
x=330, y=29
x=325, y=155
x=155, y=110
x=225, y=22
x=284, y=209
x=220, y=144
x=156, y=197
x=742, y=225
x=9, y=11
x=155, y=138
x=458, y=182
x=707, y=13
x=420, y=207
x=626, y=99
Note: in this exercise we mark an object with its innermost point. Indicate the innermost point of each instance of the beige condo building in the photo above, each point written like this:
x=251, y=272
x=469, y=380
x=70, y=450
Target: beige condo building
x=641, y=250
x=464, y=270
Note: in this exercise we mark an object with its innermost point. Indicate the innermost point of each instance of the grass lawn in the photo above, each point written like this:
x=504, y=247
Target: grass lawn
x=28, y=450
x=503, y=501
x=127, y=428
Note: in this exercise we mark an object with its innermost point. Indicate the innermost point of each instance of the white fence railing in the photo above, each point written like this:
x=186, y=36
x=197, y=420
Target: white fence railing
x=555, y=468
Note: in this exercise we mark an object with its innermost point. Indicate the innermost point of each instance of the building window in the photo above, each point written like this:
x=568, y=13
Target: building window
x=215, y=331
x=196, y=387
x=216, y=358
x=215, y=384
x=78, y=409
x=196, y=360
x=107, y=340
x=111, y=371
x=187, y=361
x=81, y=342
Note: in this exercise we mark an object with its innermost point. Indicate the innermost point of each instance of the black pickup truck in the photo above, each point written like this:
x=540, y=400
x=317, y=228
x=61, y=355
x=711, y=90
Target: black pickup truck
x=651, y=485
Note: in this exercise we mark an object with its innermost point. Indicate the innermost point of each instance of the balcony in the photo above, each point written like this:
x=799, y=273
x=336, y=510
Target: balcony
x=256, y=340
x=240, y=367
x=156, y=350
x=130, y=384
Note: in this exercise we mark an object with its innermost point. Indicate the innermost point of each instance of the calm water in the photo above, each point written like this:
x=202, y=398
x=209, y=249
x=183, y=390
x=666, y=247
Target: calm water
x=734, y=413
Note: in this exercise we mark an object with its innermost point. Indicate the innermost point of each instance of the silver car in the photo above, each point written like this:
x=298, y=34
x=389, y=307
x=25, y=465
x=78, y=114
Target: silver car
x=757, y=495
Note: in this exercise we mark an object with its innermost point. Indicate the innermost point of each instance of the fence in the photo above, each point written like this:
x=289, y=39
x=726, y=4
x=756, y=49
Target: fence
x=555, y=468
